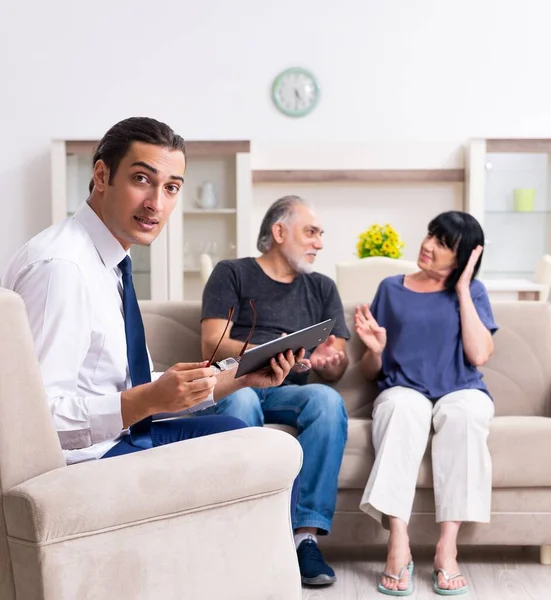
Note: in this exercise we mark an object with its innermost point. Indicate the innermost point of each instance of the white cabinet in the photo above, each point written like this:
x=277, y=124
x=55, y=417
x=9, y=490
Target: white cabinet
x=508, y=192
x=169, y=268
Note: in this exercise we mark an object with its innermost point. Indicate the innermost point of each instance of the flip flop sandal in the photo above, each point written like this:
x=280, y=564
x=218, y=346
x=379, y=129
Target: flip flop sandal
x=447, y=577
x=407, y=591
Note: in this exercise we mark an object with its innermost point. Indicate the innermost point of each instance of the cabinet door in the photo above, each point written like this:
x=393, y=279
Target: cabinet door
x=71, y=173
x=516, y=213
x=475, y=179
x=244, y=201
x=508, y=193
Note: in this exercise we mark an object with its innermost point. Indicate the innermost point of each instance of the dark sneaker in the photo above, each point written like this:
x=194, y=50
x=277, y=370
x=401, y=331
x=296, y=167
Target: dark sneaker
x=313, y=569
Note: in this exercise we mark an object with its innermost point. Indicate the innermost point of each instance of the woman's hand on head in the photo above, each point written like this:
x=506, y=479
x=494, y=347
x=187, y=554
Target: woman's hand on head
x=464, y=282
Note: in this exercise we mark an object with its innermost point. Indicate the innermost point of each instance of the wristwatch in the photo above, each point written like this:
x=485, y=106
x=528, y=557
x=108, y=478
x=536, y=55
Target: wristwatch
x=225, y=365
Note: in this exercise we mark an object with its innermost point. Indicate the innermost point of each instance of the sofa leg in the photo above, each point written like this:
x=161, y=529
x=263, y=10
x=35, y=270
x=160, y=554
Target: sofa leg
x=545, y=555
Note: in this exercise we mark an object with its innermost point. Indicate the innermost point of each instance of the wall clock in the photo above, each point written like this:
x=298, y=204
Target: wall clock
x=295, y=92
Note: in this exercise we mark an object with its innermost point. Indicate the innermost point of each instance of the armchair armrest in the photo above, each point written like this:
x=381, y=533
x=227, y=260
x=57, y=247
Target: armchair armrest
x=153, y=484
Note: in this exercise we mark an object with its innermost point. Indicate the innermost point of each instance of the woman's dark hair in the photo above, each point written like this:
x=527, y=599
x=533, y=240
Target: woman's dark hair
x=116, y=142
x=461, y=232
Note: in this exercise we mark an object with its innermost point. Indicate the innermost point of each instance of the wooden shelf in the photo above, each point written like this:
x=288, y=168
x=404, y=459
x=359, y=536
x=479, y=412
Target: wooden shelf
x=519, y=145
x=518, y=212
x=80, y=146
x=193, y=148
x=360, y=176
x=217, y=148
x=210, y=211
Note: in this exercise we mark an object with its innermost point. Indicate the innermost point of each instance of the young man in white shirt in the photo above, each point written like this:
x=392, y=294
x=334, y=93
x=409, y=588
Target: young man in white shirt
x=72, y=279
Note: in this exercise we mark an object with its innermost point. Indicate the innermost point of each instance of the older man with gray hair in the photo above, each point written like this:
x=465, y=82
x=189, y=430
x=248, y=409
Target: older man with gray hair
x=288, y=296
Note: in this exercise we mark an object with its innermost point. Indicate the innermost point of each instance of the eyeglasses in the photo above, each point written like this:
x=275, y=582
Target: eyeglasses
x=230, y=315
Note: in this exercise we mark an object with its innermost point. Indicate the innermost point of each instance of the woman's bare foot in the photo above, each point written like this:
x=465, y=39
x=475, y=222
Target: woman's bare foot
x=398, y=556
x=446, y=558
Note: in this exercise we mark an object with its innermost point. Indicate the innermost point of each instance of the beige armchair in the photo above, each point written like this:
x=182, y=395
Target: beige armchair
x=201, y=519
x=357, y=281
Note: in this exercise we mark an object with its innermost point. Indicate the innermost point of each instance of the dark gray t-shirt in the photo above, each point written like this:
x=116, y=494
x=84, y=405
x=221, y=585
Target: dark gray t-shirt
x=424, y=348
x=280, y=307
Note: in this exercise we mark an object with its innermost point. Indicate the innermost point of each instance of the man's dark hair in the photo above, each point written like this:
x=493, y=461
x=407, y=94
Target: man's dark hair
x=461, y=232
x=115, y=143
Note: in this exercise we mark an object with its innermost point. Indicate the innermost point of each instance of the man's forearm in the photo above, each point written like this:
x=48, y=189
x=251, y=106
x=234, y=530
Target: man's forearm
x=227, y=349
x=226, y=384
x=136, y=404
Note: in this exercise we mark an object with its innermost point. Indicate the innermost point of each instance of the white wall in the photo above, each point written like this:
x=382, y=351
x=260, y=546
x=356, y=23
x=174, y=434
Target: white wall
x=434, y=70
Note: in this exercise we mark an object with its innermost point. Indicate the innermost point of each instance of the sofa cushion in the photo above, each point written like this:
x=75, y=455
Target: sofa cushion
x=518, y=374
x=173, y=331
x=520, y=449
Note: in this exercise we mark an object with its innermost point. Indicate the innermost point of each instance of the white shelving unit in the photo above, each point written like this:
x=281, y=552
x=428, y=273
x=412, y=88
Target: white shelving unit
x=515, y=239
x=169, y=268
x=211, y=211
x=223, y=231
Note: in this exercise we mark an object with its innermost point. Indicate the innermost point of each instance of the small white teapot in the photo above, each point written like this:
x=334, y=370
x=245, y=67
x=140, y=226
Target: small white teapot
x=205, y=195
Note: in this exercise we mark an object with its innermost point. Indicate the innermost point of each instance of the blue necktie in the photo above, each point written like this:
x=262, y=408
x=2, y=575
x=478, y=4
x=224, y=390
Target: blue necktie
x=136, y=350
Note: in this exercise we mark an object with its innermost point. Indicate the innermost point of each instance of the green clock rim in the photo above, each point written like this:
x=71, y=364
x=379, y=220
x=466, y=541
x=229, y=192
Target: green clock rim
x=304, y=111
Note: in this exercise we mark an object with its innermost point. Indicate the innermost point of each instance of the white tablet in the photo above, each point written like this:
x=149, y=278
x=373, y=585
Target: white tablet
x=258, y=357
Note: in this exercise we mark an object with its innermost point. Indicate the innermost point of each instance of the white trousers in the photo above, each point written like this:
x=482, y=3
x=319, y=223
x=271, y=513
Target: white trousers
x=461, y=463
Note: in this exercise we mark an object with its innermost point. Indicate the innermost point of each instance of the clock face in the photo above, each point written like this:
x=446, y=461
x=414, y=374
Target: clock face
x=295, y=92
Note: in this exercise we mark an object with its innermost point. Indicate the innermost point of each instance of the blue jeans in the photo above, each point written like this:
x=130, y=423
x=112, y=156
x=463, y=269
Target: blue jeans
x=317, y=411
x=178, y=430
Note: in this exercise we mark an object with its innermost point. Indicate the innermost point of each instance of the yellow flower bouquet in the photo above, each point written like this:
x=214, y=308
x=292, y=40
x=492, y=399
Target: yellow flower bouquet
x=380, y=241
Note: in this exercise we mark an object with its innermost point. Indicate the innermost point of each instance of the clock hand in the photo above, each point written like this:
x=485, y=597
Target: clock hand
x=297, y=99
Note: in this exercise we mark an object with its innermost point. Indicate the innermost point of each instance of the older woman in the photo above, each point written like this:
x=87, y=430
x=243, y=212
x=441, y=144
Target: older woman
x=425, y=336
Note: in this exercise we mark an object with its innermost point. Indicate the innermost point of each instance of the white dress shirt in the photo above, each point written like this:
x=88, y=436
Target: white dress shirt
x=72, y=287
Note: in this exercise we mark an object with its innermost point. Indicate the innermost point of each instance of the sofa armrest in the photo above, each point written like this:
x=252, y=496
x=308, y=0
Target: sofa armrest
x=152, y=484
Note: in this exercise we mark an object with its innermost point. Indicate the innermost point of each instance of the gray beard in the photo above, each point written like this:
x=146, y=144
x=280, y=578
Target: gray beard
x=301, y=265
